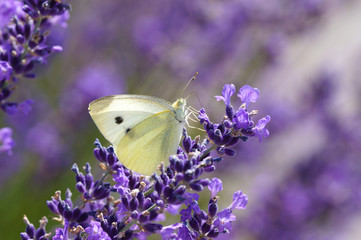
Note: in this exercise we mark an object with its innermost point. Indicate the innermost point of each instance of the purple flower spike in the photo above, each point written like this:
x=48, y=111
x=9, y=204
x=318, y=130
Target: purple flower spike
x=6, y=142
x=240, y=201
x=215, y=186
x=248, y=94
x=260, y=129
x=24, y=43
x=228, y=91
x=139, y=202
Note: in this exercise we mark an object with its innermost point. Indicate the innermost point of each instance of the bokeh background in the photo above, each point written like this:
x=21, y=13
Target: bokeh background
x=303, y=182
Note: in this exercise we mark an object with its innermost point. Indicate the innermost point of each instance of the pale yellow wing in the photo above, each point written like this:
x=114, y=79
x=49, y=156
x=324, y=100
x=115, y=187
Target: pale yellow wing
x=115, y=115
x=150, y=142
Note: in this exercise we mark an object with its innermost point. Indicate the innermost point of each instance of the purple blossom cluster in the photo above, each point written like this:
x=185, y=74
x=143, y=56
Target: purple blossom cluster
x=320, y=193
x=133, y=205
x=237, y=124
x=24, y=29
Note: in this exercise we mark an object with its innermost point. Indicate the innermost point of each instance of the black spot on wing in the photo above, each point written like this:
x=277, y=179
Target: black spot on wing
x=118, y=120
x=126, y=131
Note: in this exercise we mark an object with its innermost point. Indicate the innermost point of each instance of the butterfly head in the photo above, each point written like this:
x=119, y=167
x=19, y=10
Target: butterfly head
x=179, y=108
x=179, y=105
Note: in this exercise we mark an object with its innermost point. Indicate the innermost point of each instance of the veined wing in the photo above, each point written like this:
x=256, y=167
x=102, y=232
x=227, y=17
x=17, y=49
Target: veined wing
x=150, y=142
x=115, y=115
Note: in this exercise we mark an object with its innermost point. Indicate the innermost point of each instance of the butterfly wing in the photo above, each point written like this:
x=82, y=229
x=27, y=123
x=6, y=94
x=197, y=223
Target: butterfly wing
x=150, y=142
x=115, y=115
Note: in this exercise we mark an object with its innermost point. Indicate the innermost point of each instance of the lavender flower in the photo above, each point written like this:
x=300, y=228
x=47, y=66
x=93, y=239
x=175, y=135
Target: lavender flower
x=236, y=125
x=260, y=129
x=248, y=94
x=319, y=194
x=215, y=186
x=228, y=91
x=23, y=44
x=6, y=142
x=132, y=205
x=225, y=217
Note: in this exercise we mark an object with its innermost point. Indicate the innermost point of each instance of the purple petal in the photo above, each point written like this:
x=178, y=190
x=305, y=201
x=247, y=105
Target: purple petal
x=242, y=119
x=120, y=178
x=190, y=197
x=203, y=117
x=215, y=186
x=227, y=92
x=5, y=70
x=168, y=231
x=184, y=233
x=173, y=209
x=95, y=231
x=248, y=94
x=225, y=217
x=62, y=233
x=260, y=129
x=186, y=214
x=240, y=200
x=57, y=48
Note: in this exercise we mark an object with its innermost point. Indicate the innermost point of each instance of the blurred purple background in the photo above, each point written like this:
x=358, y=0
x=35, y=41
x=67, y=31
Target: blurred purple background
x=303, y=182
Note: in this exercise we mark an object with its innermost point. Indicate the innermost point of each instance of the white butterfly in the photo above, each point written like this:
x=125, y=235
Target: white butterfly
x=144, y=130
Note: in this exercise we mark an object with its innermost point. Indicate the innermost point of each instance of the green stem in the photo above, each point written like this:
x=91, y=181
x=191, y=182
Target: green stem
x=129, y=225
x=147, y=193
x=206, y=152
x=101, y=179
x=151, y=207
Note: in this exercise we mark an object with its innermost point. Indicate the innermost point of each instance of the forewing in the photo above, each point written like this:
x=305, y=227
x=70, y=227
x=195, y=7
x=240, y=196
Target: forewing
x=150, y=142
x=115, y=115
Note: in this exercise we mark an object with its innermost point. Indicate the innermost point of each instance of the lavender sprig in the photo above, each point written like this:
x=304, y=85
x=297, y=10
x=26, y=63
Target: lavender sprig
x=23, y=44
x=132, y=205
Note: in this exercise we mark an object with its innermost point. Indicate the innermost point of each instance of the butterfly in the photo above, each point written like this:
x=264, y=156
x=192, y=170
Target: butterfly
x=143, y=130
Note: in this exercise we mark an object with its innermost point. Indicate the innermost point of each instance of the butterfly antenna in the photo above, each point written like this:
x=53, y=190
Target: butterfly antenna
x=191, y=80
